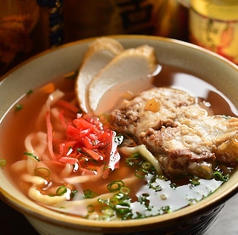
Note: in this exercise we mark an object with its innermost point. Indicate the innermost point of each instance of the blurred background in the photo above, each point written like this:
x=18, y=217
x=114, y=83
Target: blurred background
x=28, y=27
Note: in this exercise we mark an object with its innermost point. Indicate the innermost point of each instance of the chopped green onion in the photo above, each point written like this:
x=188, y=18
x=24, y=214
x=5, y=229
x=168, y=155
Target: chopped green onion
x=114, y=201
x=146, y=165
x=125, y=190
x=42, y=172
x=157, y=187
x=32, y=155
x=90, y=208
x=103, y=201
x=140, y=173
x=18, y=107
x=61, y=190
x=3, y=162
x=143, y=199
x=88, y=193
x=29, y=92
x=133, y=159
x=219, y=176
x=123, y=207
x=165, y=209
x=119, y=196
x=194, y=181
x=173, y=185
x=115, y=185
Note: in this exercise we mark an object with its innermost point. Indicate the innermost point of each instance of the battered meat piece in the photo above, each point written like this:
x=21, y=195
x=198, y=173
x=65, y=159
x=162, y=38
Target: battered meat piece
x=184, y=136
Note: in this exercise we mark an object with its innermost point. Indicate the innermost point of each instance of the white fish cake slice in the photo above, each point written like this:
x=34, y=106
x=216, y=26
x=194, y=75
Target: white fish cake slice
x=99, y=54
x=130, y=71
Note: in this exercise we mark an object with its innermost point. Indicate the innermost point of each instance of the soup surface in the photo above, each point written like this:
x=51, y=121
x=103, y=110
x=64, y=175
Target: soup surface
x=40, y=161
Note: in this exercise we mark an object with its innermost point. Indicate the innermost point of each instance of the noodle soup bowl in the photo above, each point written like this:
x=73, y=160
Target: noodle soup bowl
x=193, y=219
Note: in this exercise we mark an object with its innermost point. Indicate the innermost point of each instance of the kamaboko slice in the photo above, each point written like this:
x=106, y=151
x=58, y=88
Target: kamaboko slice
x=129, y=72
x=99, y=53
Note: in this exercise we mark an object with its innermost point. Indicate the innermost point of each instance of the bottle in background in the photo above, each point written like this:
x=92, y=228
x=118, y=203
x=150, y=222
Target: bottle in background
x=213, y=24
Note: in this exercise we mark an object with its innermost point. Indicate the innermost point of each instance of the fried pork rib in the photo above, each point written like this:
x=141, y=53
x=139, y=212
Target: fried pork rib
x=183, y=135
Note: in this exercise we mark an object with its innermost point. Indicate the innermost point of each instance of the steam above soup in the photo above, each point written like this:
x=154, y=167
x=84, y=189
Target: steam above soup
x=155, y=153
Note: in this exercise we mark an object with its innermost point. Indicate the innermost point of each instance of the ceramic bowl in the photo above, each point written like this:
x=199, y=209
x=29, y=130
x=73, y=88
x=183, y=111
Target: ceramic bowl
x=37, y=71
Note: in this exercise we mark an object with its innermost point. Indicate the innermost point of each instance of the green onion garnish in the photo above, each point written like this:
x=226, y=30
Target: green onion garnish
x=125, y=190
x=42, y=172
x=32, y=155
x=88, y=193
x=115, y=185
x=29, y=92
x=90, y=208
x=114, y=201
x=165, y=209
x=194, y=181
x=61, y=190
x=18, y=107
x=140, y=173
x=3, y=162
x=123, y=207
x=103, y=202
x=146, y=165
x=219, y=176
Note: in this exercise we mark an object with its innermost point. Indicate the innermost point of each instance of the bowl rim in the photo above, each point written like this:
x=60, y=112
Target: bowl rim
x=69, y=221
x=120, y=37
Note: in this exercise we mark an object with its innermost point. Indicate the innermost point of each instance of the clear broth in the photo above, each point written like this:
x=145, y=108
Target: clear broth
x=18, y=124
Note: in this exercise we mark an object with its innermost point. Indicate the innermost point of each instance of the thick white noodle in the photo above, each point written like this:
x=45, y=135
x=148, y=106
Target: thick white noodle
x=37, y=144
x=52, y=99
x=31, y=165
x=41, y=147
x=40, y=143
x=55, y=116
x=84, y=178
x=67, y=170
x=36, y=195
x=36, y=180
x=78, y=179
x=28, y=143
